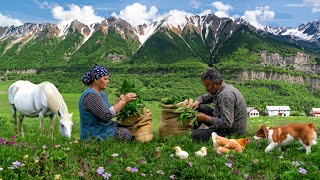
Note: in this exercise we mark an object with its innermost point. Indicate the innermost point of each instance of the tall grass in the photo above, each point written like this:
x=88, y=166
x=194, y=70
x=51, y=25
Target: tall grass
x=43, y=158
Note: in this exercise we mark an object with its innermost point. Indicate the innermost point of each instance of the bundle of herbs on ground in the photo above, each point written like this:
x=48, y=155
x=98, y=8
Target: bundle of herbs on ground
x=134, y=115
x=176, y=118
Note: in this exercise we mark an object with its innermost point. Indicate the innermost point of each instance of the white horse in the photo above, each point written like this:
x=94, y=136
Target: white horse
x=41, y=100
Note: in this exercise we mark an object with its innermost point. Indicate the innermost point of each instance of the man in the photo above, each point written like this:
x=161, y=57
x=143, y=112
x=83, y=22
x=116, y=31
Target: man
x=229, y=116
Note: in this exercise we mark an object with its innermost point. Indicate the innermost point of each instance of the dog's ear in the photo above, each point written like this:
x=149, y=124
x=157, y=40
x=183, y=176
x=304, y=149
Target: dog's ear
x=265, y=130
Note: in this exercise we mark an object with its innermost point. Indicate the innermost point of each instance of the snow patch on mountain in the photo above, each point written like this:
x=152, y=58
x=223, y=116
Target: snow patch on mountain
x=63, y=28
x=295, y=32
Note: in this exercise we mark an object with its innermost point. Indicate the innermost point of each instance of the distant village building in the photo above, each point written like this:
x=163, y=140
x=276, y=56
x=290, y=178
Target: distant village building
x=252, y=112
x=315, y=112
x=277, y=111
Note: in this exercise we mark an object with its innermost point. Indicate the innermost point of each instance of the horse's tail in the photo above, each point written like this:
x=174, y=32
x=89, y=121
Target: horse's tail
x=11, y=93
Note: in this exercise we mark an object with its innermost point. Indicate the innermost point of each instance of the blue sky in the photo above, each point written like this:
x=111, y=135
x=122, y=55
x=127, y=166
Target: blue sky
x=286, y=13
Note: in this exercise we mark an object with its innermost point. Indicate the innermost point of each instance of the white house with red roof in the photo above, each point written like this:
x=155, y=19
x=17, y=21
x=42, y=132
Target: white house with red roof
x=315, y=112
x=277, y=111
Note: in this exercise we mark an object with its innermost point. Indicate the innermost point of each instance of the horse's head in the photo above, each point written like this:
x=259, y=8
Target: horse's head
x=65, y=124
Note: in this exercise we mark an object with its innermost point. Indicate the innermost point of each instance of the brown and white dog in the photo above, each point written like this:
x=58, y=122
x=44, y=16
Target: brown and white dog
x=283, y=135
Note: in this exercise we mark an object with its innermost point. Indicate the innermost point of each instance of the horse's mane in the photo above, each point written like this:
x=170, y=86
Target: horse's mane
x=54, y=99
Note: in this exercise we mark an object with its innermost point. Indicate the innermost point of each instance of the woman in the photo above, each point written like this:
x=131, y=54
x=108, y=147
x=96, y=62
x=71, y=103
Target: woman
x=96, y=113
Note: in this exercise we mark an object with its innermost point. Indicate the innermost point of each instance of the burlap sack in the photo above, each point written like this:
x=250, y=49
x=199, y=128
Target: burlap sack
x=140, y=125
x=169, y=124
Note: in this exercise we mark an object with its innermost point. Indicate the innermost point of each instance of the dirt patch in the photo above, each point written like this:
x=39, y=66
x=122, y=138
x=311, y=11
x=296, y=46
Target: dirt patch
x=3, y=92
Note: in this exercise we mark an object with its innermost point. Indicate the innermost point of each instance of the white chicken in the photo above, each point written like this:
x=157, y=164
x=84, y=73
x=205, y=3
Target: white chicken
x=180, y=153
x=202, y=152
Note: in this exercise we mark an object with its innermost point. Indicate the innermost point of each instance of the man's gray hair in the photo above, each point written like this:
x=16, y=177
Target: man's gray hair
x=212, y=75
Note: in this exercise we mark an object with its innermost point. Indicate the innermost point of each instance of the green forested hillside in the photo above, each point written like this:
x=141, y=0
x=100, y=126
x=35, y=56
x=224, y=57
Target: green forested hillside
x=164, y=48
x=166, y=65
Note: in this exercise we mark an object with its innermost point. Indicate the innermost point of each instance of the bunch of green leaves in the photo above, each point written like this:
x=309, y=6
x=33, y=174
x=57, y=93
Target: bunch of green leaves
x=134, y=107
x=187, y=114
x=173, y=100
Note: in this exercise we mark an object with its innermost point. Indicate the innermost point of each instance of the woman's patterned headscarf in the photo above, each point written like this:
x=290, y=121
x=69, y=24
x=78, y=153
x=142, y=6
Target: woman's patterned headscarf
x=94, y=73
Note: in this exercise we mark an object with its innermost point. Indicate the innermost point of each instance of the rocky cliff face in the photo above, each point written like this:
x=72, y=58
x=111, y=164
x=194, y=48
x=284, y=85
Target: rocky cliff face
x=300, y=62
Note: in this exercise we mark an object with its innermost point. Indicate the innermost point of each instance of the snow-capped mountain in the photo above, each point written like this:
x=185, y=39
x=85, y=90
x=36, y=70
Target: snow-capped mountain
x=309, y=32
x=207, y=30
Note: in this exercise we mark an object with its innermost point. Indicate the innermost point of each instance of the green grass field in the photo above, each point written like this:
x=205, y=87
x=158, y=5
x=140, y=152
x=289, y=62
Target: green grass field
x=43, y=158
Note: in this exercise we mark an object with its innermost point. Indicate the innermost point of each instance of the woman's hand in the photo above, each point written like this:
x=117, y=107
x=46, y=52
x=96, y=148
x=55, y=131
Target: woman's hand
x=128, y=97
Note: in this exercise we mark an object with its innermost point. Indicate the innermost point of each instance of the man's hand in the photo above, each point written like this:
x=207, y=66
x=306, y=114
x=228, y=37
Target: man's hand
x=204, y=118
x=194, y=105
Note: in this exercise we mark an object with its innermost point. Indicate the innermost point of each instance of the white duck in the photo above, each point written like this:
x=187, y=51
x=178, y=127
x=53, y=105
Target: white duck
x=202, y=152
x=180, y=153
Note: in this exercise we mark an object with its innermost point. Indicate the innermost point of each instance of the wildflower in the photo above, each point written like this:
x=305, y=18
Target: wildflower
x=302, y=171
x=218, y=153
x=57, y=176
x=12, y=137
x=24, y=144
x=232, y=161
x=128, y=169
x=44, y=147
x=134, y=169
x=36, y=161
x=172, y=177
x=56, y=146
x=295, y=163
x=75, y=142
x=25, y=157
x=126, y=155
x=141, y=161
x=280, y=157
x=115, y=155
x=160, y=172
x=228, y=164
x=171, y=155
x=190, y=164
x=255, y=161
x=110, y=161
x=236, y=171
x=142, y=174
x=1, y=169
x=247, y=176
x=100, y=170
x=106, y=175
x=16, y=164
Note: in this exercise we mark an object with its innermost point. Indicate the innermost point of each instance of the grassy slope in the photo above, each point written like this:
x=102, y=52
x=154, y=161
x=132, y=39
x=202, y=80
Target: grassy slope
x=80, y=161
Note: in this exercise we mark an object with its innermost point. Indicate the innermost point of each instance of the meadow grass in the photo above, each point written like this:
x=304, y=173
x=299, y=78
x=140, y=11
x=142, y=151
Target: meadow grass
x=40, y=157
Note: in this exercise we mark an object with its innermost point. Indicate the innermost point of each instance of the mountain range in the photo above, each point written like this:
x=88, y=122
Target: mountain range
x=166, y=57
x=197, y=37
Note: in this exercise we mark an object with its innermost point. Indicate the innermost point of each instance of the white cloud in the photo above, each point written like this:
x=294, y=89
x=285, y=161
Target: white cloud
x=85, y=14
x=315, y=10
x=137, y=14
x=205, y=12
x=8, y=21
x=222, y=9
x=45, y=5
x=312, y=3
x=175, y=17
x=259, y=16
x=195, y=4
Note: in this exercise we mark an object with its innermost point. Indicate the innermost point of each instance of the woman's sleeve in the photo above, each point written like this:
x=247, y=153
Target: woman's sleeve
x=94, y=104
